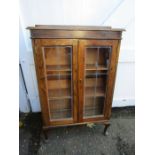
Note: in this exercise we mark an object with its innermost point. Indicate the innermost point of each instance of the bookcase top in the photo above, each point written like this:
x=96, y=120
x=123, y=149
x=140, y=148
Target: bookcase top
x=73, y=27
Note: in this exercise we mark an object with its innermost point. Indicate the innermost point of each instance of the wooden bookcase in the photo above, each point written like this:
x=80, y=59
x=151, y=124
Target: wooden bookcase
x=76, y=68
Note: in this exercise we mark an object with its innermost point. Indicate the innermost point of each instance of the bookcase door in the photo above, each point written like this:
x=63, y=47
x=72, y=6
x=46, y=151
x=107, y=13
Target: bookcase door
x=58, y=80
x=96, y=58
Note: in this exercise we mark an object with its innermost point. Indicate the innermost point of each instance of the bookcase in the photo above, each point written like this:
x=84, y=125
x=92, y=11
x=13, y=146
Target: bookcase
x=76, y=69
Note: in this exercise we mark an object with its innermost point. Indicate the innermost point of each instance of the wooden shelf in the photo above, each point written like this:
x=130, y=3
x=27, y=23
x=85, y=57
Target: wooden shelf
x=92, y=108
x=90, y=92
x=57, y=68
x=59, y=98
x=94, y=68
x=60, y=107
x=59, y=77
x=93, y=75
x=60, y=110
x=58, y=94
x=61, y=114
x=93, y=112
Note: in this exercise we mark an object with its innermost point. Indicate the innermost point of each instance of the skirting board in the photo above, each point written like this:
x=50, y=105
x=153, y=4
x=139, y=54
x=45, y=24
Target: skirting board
x=123, y=102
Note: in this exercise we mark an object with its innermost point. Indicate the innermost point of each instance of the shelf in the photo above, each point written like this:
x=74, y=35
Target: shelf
x=60, y=107
x=92, y=96
x=94, y=75
x=93, y=112
x=60, y=110
x=61, y=93
x=59, y=98
x=59, y=77
x=92, y=108
x=57, y=68
x=61, y=114
x=90, y=92
x=94, y=68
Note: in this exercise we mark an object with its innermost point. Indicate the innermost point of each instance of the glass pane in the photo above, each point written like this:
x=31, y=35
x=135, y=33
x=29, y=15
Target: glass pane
x=96, y=71
x=97, y=58
x=58, y=61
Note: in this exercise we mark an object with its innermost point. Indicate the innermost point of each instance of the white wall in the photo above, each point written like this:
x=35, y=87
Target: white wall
x=115, y=13
x=23, y=101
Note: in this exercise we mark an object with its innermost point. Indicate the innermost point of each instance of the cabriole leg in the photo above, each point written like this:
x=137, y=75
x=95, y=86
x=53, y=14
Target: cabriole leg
x=45, y=134
x=105, y=129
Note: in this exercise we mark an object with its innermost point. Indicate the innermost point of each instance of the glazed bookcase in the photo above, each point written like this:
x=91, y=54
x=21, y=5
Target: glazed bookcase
x=76, y=69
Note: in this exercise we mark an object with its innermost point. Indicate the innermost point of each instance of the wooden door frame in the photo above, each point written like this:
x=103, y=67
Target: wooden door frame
x=115, y=44
x=38, y=45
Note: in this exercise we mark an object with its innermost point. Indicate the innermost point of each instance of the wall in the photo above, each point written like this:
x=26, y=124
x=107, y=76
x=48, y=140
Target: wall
x=115, y=13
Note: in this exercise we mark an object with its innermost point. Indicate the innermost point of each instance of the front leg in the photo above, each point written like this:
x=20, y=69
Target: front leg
x=105, y=128
x=45, y=134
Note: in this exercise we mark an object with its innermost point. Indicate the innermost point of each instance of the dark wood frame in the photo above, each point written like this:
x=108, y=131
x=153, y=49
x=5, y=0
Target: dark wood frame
x=78, y=38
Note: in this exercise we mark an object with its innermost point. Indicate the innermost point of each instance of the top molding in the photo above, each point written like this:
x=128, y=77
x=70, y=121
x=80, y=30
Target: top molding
x=75, y=32
x=73, y=27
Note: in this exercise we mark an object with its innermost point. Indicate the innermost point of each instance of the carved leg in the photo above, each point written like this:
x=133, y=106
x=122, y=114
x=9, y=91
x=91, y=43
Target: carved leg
x=105, y=129
x=45, y=134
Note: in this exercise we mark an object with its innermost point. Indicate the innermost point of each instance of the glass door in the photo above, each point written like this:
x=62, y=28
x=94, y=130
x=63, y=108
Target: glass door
x=58, y=60
x=95, y=56
x=95, y=77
